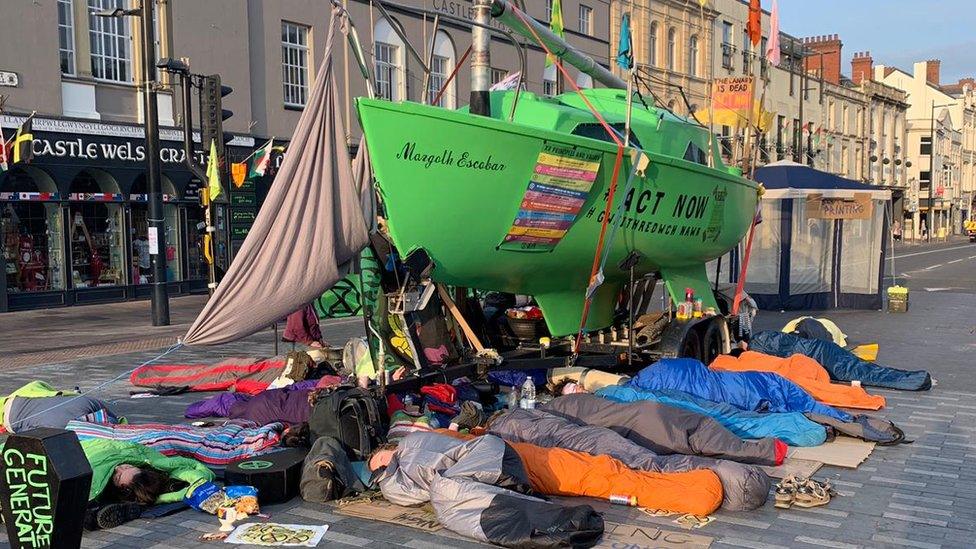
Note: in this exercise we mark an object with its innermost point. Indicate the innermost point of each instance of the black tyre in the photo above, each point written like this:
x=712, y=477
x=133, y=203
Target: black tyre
x=712, y=342
x=691, y=346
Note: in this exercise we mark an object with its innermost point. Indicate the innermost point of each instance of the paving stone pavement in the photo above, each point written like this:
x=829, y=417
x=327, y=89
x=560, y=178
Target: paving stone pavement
x=919, y=495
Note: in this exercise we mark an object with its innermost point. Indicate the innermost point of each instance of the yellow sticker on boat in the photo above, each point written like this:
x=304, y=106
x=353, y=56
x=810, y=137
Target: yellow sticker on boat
x=541, y=233
x=568, y=162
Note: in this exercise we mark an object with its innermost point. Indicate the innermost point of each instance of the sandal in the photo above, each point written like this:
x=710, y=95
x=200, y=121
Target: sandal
x=786, y=491
x=812, y=494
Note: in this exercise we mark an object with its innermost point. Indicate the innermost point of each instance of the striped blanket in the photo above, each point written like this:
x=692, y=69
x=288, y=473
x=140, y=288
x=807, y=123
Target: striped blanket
x=211, y=445
x=243, y=375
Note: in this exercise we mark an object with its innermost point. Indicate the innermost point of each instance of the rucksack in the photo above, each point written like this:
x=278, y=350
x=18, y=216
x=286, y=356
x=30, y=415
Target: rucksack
x=353, y=417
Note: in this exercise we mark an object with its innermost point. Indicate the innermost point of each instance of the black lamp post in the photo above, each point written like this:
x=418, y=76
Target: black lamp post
x=157, y=223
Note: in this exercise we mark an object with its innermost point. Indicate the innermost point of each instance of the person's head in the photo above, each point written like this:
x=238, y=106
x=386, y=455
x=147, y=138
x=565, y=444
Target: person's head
x=567, y=387
x=381, y=456
x=142, y=485
x=296, y=436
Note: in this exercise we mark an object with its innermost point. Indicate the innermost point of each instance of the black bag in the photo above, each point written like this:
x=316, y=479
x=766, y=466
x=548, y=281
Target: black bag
x=353, y=417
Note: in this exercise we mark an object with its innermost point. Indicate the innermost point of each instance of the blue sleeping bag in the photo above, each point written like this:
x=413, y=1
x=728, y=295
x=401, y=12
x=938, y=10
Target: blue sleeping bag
x=842, y=365
x=753, y=391
x=792, y=428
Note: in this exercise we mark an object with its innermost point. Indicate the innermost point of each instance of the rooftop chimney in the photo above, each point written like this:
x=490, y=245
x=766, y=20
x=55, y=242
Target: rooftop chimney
x=862, y=67
x=932, y=71
x=825, y=57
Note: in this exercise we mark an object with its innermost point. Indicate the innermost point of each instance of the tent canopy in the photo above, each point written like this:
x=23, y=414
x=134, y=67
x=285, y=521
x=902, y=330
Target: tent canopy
x=790, y=179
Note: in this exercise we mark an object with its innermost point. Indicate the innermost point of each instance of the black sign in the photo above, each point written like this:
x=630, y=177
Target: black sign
x=243, y=200
x=44, y=489
x=239, y=231
x=242, y=216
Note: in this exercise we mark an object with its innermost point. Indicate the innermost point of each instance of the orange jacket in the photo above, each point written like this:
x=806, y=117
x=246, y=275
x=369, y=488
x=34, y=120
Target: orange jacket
x=561, y=472
x=805, y=372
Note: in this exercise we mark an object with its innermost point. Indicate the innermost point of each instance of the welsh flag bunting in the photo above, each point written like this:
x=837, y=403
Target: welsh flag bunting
x=261, y=160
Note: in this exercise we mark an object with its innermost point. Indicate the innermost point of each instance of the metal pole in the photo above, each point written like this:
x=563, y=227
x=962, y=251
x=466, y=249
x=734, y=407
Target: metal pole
x=931, y=213
x=481, y=59
x=157, y=224
x=197, y=171
x=803, y=90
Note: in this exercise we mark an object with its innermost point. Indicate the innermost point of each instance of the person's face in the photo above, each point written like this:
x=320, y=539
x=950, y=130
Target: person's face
x=573, y=388
x=380, y=459
x=123, y=474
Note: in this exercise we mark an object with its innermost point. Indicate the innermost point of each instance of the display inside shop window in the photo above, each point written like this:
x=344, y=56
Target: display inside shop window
x=142, y=272
x=32, y=246
x=196, y=227
x=96, y=237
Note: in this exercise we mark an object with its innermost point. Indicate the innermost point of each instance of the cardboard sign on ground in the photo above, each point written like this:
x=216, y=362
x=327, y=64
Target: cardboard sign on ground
x=793, y=466
x=421, y=518
x=842, y=451
x=649, y=536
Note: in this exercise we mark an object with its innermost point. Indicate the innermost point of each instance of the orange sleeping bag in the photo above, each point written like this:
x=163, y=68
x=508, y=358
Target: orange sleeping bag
x=561, y=472
x=805, y=372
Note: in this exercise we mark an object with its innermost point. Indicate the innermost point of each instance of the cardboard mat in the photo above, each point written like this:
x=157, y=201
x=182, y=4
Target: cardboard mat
x=793, y=466
x=842, y=451
x=421, y=518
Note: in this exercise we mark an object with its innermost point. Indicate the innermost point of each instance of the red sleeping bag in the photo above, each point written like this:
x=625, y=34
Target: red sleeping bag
x=243, y=375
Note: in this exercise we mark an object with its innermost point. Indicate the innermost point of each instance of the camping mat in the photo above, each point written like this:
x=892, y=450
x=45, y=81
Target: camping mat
x=793, y=466
x=842, y=451
x=633, y=528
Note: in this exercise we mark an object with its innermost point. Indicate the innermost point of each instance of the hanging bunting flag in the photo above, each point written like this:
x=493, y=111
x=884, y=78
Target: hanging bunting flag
x=625, y=51
x=213, y=172
x=556, y=25
x=772, y=45
x=259, y=164
x=754, y=27
x=22, y=146
x=238, y=173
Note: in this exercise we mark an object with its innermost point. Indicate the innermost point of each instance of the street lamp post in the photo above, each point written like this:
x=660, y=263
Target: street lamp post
x=931, y=212
x=157, y=224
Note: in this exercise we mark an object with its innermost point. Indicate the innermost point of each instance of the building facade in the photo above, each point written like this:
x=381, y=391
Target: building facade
x=940, y=138
x=73, y=220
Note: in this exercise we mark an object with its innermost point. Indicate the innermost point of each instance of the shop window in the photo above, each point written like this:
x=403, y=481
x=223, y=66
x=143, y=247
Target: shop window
x=139, y=233
x=31, y=232
x=95, y=231
x=195, y=228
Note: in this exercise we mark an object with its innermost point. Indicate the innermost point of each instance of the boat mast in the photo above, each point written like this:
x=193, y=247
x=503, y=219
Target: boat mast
x=481, y=59
x=504, y=11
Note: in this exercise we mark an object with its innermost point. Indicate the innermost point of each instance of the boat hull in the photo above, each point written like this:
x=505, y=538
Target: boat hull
x=454, y=183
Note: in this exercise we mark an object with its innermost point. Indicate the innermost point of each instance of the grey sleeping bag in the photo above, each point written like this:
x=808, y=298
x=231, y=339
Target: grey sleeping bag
x=666, y=429
x=744, y=487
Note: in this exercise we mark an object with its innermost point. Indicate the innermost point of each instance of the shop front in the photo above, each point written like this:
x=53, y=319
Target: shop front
x=74, y=221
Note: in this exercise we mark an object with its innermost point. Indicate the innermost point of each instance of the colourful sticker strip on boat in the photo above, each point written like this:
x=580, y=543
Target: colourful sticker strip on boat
x=559, y=186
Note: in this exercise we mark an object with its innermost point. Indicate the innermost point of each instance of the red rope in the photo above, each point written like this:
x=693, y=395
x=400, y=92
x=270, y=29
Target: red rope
x=613, y=180
x=457, y=67
x=745, y=266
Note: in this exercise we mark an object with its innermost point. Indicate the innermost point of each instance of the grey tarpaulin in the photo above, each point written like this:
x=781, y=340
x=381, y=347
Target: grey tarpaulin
x=310, y=223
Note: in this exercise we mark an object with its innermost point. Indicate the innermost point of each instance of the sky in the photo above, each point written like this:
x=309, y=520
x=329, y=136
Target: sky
x=896, y=32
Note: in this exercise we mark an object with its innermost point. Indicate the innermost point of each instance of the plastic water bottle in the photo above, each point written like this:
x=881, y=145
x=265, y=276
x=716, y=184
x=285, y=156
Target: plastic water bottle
x=528, y=393
x=513, y=399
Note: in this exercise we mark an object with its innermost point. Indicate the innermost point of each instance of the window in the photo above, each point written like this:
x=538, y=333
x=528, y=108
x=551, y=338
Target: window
x=672, y=47
x=726, y=141
x=780, y=128
x=441, y=66
x=549, y=80
x=110, y=42
x=763, y=63
x=830, y=115
x=548, y=10
x=727, y=47
x=388, y=61
x=844, y=123
x=585, y=20
x=66, y=36
x=925, y=147
x=694, y=153
x=597, y=131
x=764, y=149
x=844, y=161
x=746, y=57
x=652, y=45
x=924, y=176
x=497, y=75
x=693, y=56
x=294, y=64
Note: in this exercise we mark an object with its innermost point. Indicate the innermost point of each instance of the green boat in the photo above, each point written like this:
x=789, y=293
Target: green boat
x=517, y=206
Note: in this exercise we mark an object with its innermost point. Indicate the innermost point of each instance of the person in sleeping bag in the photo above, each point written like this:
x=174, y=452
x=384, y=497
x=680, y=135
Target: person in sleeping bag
x=126, y=477
x=37, y=404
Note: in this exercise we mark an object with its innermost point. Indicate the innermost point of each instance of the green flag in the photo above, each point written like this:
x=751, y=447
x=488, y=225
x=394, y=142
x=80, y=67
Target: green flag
x=556, y=25
x=261, y=160
x=213, y=173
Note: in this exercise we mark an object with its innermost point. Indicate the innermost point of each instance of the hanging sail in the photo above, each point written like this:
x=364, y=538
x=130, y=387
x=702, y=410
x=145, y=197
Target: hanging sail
x=310, y=223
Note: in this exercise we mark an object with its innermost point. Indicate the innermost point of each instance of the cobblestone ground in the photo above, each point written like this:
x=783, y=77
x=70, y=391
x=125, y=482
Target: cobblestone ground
x=919, y=495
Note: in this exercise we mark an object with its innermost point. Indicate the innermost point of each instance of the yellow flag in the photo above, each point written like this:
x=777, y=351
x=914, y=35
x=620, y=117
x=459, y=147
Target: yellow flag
x=213, y=172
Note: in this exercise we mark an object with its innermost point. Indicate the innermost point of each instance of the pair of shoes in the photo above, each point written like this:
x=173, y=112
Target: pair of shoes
x=802, y=492
x=117, y=514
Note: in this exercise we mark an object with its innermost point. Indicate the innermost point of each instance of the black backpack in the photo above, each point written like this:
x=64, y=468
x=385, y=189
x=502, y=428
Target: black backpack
x=353, y=417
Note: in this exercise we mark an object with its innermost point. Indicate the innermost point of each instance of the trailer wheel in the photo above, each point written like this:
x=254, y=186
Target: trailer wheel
x=712, y=342
x=691, y=346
